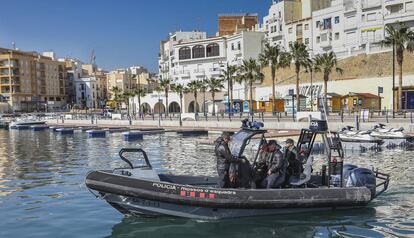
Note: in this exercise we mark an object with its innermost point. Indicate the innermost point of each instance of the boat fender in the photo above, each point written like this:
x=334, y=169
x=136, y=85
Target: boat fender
x=360, y=177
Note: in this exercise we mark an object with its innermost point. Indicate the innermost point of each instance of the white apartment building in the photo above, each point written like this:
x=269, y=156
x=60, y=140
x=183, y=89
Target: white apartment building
x=205, y=58
x=167, y=58
x=87, y=92
x=347, y=27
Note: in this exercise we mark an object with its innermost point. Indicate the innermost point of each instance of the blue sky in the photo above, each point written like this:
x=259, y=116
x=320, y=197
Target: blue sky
x=122, y=32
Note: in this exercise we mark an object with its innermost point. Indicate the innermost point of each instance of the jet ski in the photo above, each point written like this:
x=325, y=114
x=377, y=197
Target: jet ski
x=379, y=131
x=140, y=190
x=393, y=137
x=359, y=140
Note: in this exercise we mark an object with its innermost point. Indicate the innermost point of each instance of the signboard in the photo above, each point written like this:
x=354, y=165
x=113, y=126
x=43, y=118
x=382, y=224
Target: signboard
x=246, y=106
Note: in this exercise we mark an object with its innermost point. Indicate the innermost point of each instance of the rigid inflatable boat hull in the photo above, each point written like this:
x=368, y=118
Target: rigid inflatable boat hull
x=144, y=197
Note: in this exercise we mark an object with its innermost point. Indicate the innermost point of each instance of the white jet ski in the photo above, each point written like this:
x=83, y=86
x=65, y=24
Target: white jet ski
x=358, y=140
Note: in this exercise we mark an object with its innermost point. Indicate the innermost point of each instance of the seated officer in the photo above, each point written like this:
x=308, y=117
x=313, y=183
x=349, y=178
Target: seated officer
x=291, y=155
x=277, y=165
x=261, y=168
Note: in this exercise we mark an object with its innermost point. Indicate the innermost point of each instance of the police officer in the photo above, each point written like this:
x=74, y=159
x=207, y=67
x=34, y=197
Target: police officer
x=291, y=155
x=224, y=156
x=276, y=167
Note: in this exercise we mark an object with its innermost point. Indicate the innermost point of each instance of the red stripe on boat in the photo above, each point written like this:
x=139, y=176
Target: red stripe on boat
x=202, y=195
x=211, y=196
x=183, y=193
x=192, y=194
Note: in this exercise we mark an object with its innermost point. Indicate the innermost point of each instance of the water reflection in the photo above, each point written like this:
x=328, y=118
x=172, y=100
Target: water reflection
x=42, y=191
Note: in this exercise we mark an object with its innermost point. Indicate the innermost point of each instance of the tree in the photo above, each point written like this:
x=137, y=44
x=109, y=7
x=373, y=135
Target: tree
x=325, y=63
x=215, y=85
x=228, y=75
x=275, y=58
x=203, y=89
x=139, y=93
x=250, y=72
x=125, y=96
x=117, y=95
x=165, y=85
x=401, y=38
x=180, y=90
x=300, y=57
x=194, y=87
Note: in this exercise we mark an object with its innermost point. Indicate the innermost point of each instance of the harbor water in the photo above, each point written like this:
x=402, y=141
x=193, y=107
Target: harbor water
x=42, y=192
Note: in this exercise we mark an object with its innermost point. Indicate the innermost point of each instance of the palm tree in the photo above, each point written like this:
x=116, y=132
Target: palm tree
x=275, y=58
x=165, y=85
x=401, y=38
x=228, y=75
x=325, y=63
x=180, y=90
x=193, y=87
x=300, y=57
x=203, y=89
x=215, y=85
x=125, y=98
x=117, y=95
x=250, y=72
x=139, y=93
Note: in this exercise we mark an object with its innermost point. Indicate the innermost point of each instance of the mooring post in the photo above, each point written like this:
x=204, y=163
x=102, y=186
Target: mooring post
x=356, y=123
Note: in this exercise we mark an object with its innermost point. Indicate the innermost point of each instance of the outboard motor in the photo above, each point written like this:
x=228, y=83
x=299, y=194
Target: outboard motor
x=347, y=169
x=360, y=177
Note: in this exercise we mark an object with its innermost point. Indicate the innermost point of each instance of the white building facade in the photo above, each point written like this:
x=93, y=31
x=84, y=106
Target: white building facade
x=87, y=92
x=347, y=27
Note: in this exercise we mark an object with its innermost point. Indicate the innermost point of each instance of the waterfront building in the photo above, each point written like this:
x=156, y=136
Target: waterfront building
x=30, y=81
x=74, y=73
x=87, y=92
x=346, y=27
x=120, y=78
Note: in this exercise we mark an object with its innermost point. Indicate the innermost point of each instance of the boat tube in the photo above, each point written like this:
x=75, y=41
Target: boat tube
x=140, y=190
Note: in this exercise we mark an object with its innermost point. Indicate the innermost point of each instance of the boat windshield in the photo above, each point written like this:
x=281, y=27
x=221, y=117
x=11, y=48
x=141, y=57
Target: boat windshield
x=241, y=139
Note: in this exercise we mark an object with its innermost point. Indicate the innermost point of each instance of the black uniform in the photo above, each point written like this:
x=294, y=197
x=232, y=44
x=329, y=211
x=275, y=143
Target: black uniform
x=224, y=156
x=295, y=166
x=277, y=165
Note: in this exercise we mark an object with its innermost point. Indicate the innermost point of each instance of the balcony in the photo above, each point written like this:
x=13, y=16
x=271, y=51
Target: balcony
x=370, y=4
x=9, y=64
x=199, y=72
x=390, y=2
x=184, y=74
x=5, y=81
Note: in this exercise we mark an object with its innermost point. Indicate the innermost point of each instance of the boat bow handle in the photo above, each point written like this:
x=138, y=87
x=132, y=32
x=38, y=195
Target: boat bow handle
x=135, y=150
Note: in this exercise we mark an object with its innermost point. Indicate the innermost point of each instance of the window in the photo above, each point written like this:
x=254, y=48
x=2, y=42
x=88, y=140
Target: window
x=280, y=27
x=213, y=49
x=336, y=19
x=337, y=36
x=327, y=23
x=290, y=30
x=306, y=26
x=232, y=46
x=409, y=6
x=280, y=14
x=318, y=39
x=238, y=45
x=363, y=17
x=324, y=37
x=307, y=41
x=198, y=52
x=318, y=23
x=184, y=53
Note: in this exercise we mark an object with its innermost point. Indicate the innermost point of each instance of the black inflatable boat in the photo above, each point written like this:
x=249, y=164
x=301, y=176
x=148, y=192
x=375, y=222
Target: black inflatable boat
x=140, y=190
